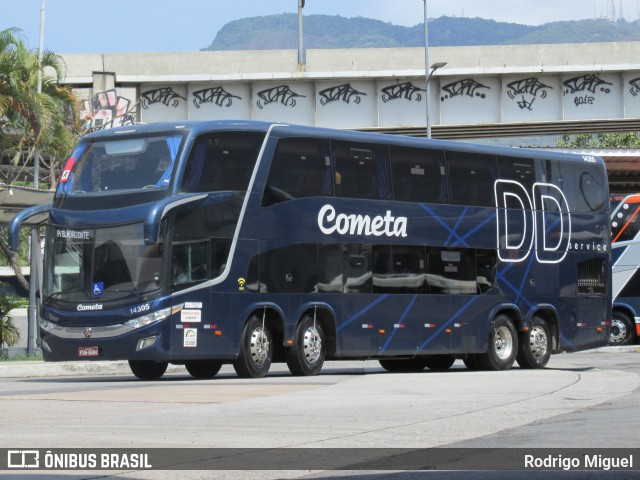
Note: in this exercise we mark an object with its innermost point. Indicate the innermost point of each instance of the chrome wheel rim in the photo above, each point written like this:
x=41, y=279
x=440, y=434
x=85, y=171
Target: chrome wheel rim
x=259, y=346
x=618, y=331
x=538, y=342
x=502, y=342
x=312, y=344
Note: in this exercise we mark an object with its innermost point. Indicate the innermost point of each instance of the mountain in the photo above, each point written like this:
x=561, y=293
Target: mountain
x=276, y=32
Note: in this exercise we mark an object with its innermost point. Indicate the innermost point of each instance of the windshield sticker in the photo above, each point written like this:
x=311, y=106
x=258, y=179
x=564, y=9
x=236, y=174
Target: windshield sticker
x=66, y=172
x=97, y=289
x=190, y=337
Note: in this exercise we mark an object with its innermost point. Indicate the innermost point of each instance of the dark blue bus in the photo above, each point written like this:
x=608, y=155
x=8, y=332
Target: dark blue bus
x=205, y=243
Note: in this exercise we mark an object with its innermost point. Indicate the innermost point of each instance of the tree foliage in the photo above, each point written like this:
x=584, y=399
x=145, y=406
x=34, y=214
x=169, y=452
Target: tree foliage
x=600, y=140
x=9, y=333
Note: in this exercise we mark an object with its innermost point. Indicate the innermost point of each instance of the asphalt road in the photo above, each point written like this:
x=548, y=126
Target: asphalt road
x=582, y=400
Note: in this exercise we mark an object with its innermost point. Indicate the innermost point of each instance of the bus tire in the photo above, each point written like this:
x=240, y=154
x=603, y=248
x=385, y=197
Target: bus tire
x=503, y=345
x=622, y=329
x=203, y=368
x=439, y=363
x=408, y=365
x=472, y=362
x=148, y=369
x=256, y=350
x=535, y=345
x=307, y=354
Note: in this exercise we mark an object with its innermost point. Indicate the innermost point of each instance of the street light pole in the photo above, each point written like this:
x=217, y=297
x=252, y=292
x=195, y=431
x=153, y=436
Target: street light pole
x=34, y=271
x=427, y=75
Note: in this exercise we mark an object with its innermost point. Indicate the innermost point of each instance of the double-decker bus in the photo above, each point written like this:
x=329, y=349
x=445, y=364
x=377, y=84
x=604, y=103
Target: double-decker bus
x=208, y=243
x=625, y=227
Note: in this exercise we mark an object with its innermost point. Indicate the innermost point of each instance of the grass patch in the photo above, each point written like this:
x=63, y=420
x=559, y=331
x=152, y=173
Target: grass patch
x=22, y=358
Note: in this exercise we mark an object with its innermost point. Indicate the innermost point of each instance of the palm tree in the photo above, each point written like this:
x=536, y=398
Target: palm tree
x=33, y=122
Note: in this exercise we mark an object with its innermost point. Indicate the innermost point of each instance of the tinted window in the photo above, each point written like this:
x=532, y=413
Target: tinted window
x=221, y=161
x=451, y=271
x=357, y=268
x=398, y=269
x=289, y=269
x=471, y=178
x=330, y=268
x=301, y=167
x=519, y=170
x=362, y=170
x=418, y=175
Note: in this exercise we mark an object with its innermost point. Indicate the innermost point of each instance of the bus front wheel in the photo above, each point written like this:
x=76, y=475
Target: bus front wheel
x=622, y=329
x=203, y=369
x=535, y=345
x=256, y=350
x=148, y=369
x=503, y=345
x=307, y=354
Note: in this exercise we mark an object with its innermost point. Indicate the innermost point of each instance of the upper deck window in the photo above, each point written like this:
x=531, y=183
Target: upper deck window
x=301, y=168
x=114, y=164
x=362, y=170
x=222, y=161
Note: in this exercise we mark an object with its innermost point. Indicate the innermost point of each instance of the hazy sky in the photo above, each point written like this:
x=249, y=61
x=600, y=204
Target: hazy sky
x=79, y=26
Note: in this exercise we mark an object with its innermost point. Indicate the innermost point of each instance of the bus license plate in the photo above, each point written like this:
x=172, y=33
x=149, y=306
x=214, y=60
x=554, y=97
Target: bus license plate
x=88, y=351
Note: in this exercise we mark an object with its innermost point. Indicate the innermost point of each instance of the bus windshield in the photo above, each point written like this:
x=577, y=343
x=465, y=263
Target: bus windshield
x=115, y=164
x=101, y=264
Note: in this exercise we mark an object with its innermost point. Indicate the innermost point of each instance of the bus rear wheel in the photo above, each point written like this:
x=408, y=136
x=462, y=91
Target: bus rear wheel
x=439, y=363
x=535, y=345
x=622, y=329
x=407, y=365
x=203, y=368
x=306, y=357
x=148, y=369
x=503, y=345
x=256, y=350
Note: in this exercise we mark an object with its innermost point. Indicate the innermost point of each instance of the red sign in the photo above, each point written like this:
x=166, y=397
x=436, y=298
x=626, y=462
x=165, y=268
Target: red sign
x=88, y=351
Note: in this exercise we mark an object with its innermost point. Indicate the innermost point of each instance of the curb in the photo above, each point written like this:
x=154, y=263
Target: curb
x=39, y=369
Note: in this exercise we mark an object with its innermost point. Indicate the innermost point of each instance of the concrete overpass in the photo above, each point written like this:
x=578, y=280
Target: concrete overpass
x=482, y=91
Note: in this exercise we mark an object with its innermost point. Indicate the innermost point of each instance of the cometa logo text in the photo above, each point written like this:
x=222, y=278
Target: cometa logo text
x=331, y=222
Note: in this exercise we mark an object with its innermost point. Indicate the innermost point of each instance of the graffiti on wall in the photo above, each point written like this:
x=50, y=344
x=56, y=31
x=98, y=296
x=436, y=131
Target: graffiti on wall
x=344, y=93
x=406, y=90
x=215, y=95
x=585, y=87
x=281, y=94
x=526, y=91
x=635, y=86
x=166, y=96
x=105, y=110
x=468, y=87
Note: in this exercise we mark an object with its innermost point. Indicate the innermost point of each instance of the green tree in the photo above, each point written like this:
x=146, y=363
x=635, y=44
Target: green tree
x=600, y=140
x=9, y=333
x=35, y=126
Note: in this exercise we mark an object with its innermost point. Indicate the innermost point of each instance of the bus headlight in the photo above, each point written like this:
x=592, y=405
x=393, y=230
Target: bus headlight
x=153, y=317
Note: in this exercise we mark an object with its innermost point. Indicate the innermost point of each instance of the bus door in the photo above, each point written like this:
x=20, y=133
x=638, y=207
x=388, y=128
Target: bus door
x=193, y=329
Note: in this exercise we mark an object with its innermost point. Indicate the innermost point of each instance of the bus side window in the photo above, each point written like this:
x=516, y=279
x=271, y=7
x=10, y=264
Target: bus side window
x=519, y=170
x=222, y=161
x=418, y=175
x=451, y=271
x=362, y=170
x=471, y=178
x=398, y=269
x=357, y=268
x=301, y=167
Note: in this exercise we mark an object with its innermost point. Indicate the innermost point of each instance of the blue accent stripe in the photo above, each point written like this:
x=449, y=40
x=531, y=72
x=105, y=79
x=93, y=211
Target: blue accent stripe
x=360, y=313
x=395, y=330
x=475, y=229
